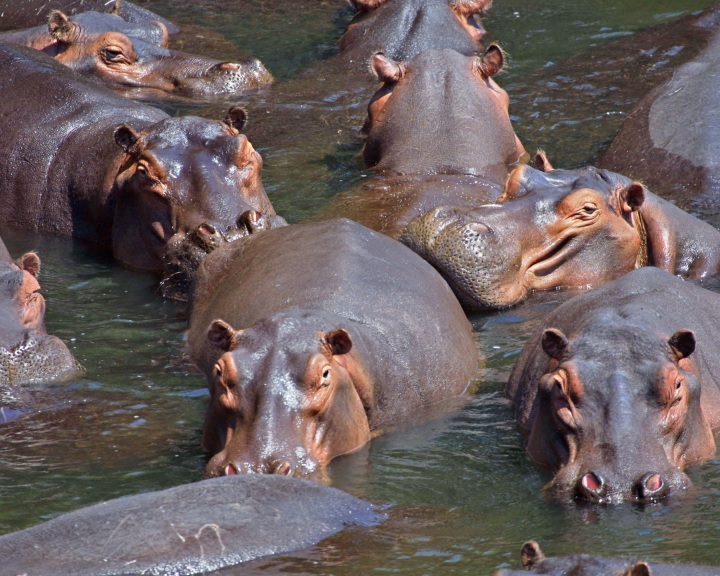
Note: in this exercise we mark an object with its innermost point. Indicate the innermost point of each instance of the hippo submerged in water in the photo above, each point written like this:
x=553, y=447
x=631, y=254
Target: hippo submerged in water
x=314, y=338
x=619, y=391
x=80, y=161
x=560, y=229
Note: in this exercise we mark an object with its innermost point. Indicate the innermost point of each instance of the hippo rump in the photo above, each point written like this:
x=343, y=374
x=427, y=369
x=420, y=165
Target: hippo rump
x=132, y=58
x=193, y=529
x=618, y=391
x=535, y=562
x=669, y=140
x=314, y=338
x=560, y=229
x=404, y=28
x=80, y=161
x=457, y=151
x=28, y=354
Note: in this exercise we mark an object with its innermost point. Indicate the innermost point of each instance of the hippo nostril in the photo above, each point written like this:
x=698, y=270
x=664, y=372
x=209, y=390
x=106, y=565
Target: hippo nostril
x=651, y=484
x=283, y=468
x=592, y=485
x=231, y=470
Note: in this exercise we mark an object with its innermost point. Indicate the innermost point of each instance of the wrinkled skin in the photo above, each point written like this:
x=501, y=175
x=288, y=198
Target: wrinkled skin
x=114, y=172
x=618, y=391
x=27, y=353
x=112, y=53
x=403, y=28
x=560, y=229
x=311, y=345
x=535, y=562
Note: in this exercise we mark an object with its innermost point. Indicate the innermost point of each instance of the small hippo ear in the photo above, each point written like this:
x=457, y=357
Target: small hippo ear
x=236, y=118
x=531, y=555
x=385, y=69
x=366, y=5
x=470, y=7
x=541, y=162
x=222, y=335
x=339, y=341
x=638, y=569
x=555, y=344
x=117, y=8
x=126, y=137
x=492, y=61
x=632, y=197
x=682, y=343
x=61, y=27
x=30, y=262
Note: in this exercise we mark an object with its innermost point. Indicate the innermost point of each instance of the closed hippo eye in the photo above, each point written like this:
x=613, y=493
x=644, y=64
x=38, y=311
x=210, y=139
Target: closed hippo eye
x=115, y=55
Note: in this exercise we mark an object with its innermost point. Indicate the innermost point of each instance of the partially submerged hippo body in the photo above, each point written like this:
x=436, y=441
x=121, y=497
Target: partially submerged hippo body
x=438, y=132
x=80, y=161
x=619, y=391
x=315, y=337
x=28, y=354
x=132, y=58
x=560, y=229
x=535, y=562
x=191, y=529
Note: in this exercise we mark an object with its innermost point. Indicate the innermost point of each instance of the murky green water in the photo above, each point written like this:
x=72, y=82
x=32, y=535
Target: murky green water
x=464, y=496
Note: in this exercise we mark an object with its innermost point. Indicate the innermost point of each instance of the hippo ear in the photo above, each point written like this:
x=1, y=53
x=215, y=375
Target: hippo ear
x=531, y=555
x=223, y=336
x=632, y=197
x=385, y=69
x=61, y=27
x=492, y=61
x=555, y=344
x=126, y=137
x=638, y=569
x=117, y=8
x=236, y=118
x=515, y=185
x=366, y=5
x=339, y=341
x=29, y=262
x=682, y=343
x=541, y=162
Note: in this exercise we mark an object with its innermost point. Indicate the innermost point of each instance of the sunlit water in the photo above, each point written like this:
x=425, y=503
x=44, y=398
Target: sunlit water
x=462, y=495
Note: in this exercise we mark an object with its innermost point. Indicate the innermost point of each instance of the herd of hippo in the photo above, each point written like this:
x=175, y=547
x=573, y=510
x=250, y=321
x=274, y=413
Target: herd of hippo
x=315, y=337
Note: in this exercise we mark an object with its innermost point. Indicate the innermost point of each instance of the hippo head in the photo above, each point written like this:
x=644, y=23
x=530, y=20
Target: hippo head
x=562, y=228
x=618, y=411
x=178, y=174
x=124, y=60
x=286, y=398
x=441, y=113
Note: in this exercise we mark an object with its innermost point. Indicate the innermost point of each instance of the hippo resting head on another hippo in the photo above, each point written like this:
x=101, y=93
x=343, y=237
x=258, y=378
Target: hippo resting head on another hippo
x=104, y=47
x=558, y=229
x=317, y=336
x=404, y=28
x=619, y=390
x=27, y=353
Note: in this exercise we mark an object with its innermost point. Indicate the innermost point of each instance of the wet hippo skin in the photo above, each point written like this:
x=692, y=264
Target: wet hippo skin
x=314, y=338
x=113, y=172
x=192, y=529
x=618, y=391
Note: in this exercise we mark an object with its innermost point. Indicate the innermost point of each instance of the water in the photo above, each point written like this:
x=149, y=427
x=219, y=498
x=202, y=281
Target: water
x=462, y=494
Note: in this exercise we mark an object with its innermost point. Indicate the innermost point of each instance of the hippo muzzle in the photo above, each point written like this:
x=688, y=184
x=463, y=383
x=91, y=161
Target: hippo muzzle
x=39, y=358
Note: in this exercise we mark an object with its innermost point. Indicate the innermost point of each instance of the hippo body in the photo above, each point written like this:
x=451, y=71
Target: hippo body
x=560, y=229
x=191, y=529
x=316, y=336
x=618, y=391
x=80, y=161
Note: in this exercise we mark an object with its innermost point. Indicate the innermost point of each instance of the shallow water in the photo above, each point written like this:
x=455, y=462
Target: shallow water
x=464, y=495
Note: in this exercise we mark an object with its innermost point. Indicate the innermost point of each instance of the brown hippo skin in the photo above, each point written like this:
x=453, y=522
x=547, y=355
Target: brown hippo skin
x=80, y=161
x=535, y=562
x=618, y=391
x=314, y=338
x=438, y=132
x=106, y=48
x=27, y=353
x=560, y=229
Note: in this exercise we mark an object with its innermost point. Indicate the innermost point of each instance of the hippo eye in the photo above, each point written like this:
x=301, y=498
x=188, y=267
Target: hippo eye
x=589, y=208
x=325, y=376
x=114, y=54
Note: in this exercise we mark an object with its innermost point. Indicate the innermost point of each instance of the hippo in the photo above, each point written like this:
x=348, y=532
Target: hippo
x=80, y=161
x=618, y=390
x=106, y=48
x=314, y=338
x=438, y=157
x=28, y=355
x=402, y=29
x=192, y=529
x=534, y=561
x=554, y=229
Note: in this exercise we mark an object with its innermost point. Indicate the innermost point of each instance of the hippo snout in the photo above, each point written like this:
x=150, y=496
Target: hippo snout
x=300, y=464
x=595, y=487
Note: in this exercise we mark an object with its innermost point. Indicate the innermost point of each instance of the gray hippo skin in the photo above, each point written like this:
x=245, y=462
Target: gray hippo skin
x=191, y=529
x=80, y=161
x=314, y=338
x=28, y=354
x=107, y=49
x=535, y=562
x=618, y=391
x=560, y=229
